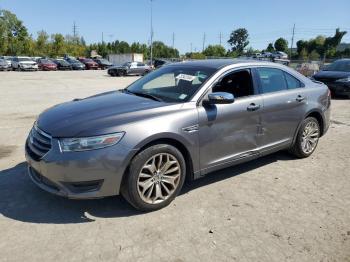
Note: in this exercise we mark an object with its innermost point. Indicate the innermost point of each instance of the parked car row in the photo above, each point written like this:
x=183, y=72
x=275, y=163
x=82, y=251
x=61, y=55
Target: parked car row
x=25, y=63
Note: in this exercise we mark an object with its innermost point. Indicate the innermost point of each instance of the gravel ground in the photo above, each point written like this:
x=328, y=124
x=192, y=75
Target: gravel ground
x=276, y=208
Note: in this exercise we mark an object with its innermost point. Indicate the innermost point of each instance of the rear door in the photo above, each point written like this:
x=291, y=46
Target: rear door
x=284, y=106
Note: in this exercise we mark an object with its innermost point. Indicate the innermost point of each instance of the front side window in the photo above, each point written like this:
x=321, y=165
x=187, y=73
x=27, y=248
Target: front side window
x=172, y=83
x=271, y=80
x=238, y=83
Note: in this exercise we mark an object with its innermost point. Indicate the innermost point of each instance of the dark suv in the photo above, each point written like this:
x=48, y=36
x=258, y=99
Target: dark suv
x=181, y=121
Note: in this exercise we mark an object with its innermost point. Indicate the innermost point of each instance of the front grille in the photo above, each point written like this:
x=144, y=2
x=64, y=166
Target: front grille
x=38, y=143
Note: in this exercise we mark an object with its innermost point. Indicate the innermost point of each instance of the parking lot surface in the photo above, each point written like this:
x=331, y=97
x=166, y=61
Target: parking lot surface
x=276, y=208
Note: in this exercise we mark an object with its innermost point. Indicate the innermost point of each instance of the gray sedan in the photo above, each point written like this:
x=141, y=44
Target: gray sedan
x=129, y=68
x=179, y=122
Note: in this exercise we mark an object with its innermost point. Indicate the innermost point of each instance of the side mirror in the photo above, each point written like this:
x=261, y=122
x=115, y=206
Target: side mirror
x=219, y=98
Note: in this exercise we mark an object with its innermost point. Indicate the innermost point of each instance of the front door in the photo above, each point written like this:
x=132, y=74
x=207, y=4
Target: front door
x=228, y=132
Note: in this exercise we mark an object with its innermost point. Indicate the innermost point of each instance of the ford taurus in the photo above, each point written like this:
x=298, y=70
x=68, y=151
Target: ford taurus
x=179, y=122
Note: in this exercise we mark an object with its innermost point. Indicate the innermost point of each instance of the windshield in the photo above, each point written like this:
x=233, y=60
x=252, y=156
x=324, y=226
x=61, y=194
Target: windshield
x=104, y=61
x=87, y=60
x=172, y=83
x=45, y=61
x=343, y=66
x=74, y=61
x=62, y=62
x=22, y=59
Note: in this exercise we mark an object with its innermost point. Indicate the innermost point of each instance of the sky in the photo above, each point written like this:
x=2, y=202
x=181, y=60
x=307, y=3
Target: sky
x=187, y=20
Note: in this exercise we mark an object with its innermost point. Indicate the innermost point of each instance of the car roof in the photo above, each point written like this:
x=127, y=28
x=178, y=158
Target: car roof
x=220, y=63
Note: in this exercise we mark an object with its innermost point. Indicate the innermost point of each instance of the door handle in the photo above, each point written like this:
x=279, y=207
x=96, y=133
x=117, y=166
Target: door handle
x=253, y=107
x=300, y=98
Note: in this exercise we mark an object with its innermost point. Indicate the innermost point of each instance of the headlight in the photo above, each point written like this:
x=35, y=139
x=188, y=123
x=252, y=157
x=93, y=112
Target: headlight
x=89, y=143
x=344, y=80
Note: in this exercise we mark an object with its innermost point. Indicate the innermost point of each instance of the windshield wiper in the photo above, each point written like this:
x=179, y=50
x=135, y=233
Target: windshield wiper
x=147, y=95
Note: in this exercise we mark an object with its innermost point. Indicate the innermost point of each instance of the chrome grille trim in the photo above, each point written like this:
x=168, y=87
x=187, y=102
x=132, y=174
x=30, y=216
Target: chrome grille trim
x=38, y=143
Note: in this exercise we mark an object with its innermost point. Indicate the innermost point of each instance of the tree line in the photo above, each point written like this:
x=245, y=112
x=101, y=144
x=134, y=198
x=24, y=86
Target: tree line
x=15, y=40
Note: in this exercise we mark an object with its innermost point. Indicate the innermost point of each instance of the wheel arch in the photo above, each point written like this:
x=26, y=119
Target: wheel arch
x=170, y=141
x=312, y=113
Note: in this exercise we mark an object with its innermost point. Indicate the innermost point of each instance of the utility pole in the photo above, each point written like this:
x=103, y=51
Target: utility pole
x=75, y=32
x=203, y=42
x=102, y=37
x=220, y=37
x=151, y=33
x=191, y=48
x=291, y=45
x=173, y=40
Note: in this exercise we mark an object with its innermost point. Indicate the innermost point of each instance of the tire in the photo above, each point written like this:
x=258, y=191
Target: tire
x=153, y=195
x=112, y=73
x=121, y=73
x=308, y=131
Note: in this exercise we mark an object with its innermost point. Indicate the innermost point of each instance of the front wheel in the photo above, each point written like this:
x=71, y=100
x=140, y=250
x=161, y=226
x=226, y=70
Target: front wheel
x=307, y=138
x=155, y=177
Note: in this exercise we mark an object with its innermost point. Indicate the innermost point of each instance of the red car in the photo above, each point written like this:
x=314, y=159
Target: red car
x=89, y=63
x=46, y=65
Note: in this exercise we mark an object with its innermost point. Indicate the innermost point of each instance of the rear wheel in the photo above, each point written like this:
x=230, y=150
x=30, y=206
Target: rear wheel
x=155, y=177
x=307, y=138
x=121, y=73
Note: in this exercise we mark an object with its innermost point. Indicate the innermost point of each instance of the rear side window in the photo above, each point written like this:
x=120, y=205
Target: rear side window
x=272, y=80
x=292, y=82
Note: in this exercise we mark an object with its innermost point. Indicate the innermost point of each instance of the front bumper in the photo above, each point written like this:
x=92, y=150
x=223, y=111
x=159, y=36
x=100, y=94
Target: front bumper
x=80, y=175
x=339, y=88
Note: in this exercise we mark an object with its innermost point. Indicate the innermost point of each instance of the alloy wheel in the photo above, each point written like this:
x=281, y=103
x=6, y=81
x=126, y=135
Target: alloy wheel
x=310, y=137
x=159, y=178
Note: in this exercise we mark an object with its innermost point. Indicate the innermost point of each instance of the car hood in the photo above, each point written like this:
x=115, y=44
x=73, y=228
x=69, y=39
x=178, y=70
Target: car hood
x=96, y=115
x=331, y=75
x=27, y=62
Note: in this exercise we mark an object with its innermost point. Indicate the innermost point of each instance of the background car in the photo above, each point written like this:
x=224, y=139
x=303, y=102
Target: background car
x=4, y=65
x=89, y=63
x=103, y=63
x=336, y=76
x=62, y=64
x=24, y=63
x=46, y=64
x=279, y=55
x=8, y=60
x=129, y=68
x=76, y=65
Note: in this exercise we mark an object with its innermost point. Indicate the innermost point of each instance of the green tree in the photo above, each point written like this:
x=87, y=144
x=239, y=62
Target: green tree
x=331, y=43
x=42, y=44
x=215, y=50
x=281, y=44
x=239, y=40
x=270, y=48
x=57, y=45
x=14, y=36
